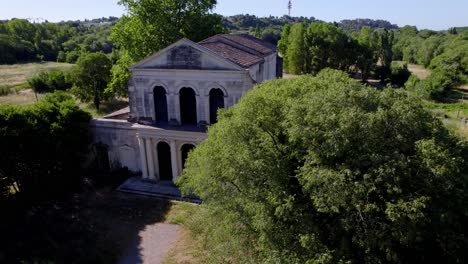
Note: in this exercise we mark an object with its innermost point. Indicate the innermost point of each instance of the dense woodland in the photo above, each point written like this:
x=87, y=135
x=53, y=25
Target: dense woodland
x=363, y=175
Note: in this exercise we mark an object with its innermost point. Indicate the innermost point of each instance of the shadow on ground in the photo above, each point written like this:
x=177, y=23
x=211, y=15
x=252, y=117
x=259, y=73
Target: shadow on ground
x=90, y=227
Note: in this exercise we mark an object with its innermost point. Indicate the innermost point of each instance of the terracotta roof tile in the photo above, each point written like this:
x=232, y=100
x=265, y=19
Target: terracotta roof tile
x=233, y=54
x=251, y=42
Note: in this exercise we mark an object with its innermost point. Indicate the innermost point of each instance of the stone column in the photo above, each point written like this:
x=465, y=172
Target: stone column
x=176, y=100
x=199, y=107
x=156, y=160
x=175, y=172
x=149, y=155
x=144, y=168
x=207, y=108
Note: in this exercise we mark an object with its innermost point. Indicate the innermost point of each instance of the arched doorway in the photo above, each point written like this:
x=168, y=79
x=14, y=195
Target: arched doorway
x=186, y=148
x=216, y=102
x=188, y=106
x=160, y=104
x=164, y=160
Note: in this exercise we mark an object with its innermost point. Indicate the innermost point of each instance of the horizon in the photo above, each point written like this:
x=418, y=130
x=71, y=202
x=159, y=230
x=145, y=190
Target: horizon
x=413, y=14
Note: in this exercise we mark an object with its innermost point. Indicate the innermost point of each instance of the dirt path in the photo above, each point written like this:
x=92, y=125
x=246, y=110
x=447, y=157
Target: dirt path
x=156, y=241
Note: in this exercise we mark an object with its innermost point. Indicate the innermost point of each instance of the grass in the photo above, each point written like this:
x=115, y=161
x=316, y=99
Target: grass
x=188, y=249
x=105, y=108
x=18, y=74
x=419, y=71
x=452, y=111
x=24, y=97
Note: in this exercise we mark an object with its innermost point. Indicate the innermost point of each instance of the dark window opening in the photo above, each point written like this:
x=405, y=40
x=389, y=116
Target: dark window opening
x=216, y=102
x=160, y=104
x=185, y=151
x=188, y=106
x=164, y=160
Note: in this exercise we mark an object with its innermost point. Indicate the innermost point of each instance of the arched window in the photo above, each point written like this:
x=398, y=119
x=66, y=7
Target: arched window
x=186, y=148
x=188, y=106
x=160, y=104
x=216, y=102
x=164, y=160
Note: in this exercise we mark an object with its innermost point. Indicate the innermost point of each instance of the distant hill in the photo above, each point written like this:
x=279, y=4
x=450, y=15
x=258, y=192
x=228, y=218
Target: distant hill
x=246, y=22
x=359, y=23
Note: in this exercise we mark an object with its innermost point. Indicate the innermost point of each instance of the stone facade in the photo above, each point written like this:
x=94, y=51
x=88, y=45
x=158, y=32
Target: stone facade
x=174, y=94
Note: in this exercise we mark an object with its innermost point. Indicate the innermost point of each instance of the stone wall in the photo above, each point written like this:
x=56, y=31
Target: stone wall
x=141, y=88
x=119, y=138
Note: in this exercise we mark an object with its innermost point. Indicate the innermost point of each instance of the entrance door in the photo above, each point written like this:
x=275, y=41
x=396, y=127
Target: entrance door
x=164, y=159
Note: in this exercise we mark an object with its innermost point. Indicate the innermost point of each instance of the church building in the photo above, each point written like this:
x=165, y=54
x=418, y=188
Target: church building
x=174, y=95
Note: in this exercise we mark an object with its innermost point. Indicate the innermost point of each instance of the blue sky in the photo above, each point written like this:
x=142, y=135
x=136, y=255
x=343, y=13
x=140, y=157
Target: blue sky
x=433, y=14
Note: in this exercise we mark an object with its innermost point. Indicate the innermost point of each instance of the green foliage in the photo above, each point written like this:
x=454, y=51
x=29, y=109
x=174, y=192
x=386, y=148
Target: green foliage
x=310, y=48
x=366, y=58
x=325, y=170
x=120, y=76
x=91, y=75
x=151, y=25
x=384, y=42
x=296, y=49
x=50, y=81
x=42, y=147
x=61, y=56
x=72, y=56
x=443, y=51
x=4, y=90
x=360, y=23
x=22, y=41
x=435, y=87
x=399, y=73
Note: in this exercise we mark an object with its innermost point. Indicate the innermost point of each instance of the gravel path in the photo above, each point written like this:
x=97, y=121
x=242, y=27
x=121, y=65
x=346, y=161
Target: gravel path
x=155, y=241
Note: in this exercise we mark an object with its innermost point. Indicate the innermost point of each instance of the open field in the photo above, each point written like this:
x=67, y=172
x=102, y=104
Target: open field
x=419, y=71
x=453, y=111
x=24, y=97
x=27, y=96
x=17, y=74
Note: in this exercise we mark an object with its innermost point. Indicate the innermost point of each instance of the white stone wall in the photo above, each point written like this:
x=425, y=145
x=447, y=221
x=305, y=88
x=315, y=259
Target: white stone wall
x=135, y=146
x=233, y=84
x=120, y=139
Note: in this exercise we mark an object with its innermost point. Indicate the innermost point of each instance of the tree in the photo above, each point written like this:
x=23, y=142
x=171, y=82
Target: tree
x=384, y=51
x=326, y=170
x=296, y=50
x=283, y=44
x=365, y=54
x=91, y=76
x=43, y=146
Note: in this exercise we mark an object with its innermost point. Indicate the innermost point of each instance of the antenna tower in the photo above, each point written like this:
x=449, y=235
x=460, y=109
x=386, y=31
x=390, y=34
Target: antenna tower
x=289, y=8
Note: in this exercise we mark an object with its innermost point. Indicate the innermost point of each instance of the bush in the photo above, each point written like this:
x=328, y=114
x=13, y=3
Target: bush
x=434, y=87
x=73, y=56
x=4, y=90
x=399, y=73
x=50, y=81
x=61, y=56
x=43, y=146
x=326, y=170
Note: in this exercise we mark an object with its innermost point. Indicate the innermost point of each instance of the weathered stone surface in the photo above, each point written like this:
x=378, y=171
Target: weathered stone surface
x=184, y=57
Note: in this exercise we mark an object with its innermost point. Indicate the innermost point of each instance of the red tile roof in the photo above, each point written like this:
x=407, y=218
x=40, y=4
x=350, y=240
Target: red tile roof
x=242, y=49
x=233, y=54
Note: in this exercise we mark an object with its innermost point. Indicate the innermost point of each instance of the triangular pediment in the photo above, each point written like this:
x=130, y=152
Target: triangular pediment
x=186, y=54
